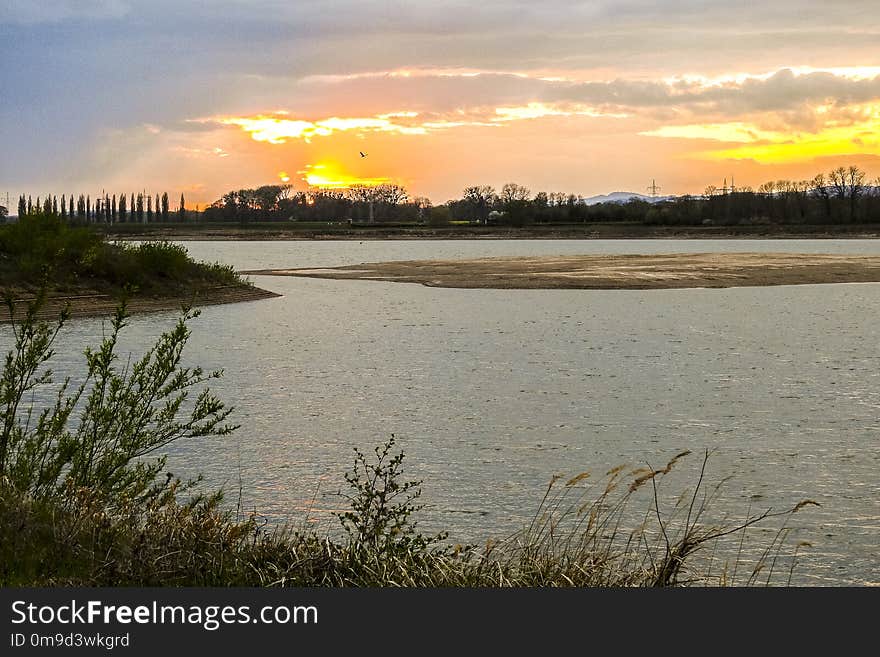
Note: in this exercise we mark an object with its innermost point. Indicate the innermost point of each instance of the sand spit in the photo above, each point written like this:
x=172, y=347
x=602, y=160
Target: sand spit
x=96, y=305
x=634, y=272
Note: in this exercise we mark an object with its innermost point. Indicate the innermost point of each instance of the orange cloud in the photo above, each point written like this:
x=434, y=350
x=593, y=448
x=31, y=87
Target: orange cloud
x=277, y=129
x=734, y=131
x=541, y=110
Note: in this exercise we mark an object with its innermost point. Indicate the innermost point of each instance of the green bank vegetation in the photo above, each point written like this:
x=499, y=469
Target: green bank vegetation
x=86, y=499
x=44, y=252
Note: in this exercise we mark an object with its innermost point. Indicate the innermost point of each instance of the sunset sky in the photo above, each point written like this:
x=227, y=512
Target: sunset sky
x=581, y=97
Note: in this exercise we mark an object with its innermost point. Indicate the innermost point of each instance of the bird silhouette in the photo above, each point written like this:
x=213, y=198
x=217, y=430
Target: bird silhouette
x=362, y=153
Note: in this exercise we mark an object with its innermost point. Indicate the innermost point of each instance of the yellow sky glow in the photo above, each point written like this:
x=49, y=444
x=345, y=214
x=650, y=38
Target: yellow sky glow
x=828, y=143
x=330, y=175
x=858, y=136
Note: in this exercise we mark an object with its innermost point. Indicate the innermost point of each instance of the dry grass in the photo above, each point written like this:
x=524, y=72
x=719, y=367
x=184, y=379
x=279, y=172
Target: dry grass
x=581, y=535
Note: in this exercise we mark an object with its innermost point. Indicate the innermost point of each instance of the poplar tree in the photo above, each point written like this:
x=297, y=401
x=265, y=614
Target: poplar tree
x=149, y=208
x=70, y=214
x=22, y=206
x=30, y=205
x=123, y=210
x=165, y=206
x=182, y=211
x=63, y=206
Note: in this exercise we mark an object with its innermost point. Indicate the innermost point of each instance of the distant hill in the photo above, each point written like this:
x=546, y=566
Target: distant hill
x=624, y=197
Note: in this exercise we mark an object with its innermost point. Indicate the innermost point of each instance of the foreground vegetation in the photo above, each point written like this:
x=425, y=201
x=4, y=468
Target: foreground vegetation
x=86, y=499
x=44, y=252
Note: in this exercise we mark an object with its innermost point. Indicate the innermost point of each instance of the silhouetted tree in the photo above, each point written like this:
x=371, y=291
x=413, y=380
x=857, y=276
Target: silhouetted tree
x=856, y=178
x=478, y=201
x=181, y=211
x=165, y=206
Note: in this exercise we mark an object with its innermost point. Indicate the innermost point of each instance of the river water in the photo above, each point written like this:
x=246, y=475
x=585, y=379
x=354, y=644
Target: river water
x=492, y=392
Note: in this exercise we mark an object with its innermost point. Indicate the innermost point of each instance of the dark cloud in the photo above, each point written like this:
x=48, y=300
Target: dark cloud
x=784, y=90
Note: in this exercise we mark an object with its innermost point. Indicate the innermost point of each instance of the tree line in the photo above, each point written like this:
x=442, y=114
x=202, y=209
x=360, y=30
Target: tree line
x=385, y=203
x=107, y=209
x=842, y=196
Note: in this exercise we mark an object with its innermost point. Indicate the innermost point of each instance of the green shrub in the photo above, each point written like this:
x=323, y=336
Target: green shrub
x=98, y=435
x=41, y=250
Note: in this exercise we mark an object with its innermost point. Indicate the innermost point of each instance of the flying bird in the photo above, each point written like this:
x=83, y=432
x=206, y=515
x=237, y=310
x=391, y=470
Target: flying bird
x=362, y=153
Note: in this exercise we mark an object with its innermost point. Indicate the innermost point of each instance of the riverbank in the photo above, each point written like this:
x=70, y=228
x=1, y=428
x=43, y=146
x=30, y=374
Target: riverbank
x=329, y=231
x=92, y=304
x=639, y=272
x=75, y=267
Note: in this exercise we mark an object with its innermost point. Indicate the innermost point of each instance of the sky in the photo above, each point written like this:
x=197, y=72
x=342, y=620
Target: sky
x=578, y=97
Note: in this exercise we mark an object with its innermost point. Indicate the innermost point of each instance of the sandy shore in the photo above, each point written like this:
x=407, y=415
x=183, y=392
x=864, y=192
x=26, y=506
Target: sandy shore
x=638, y=272
x=95, y=305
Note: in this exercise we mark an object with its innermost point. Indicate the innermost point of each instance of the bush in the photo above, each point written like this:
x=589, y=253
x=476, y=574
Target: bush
x=98, y=435
x=41, y=250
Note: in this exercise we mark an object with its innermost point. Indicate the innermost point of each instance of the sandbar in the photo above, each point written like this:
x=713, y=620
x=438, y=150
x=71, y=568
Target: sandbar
x=600, y=272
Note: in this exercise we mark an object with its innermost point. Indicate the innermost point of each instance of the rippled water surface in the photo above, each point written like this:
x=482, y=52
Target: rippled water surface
x=491, y=392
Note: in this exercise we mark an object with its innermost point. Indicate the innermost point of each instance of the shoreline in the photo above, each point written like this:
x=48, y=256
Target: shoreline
x=610, y=272
x=287, y=232
x=98, y=305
